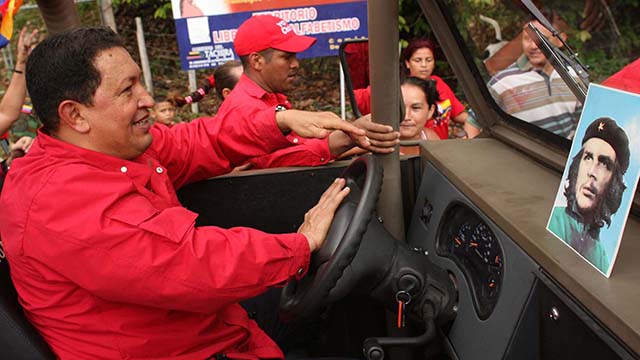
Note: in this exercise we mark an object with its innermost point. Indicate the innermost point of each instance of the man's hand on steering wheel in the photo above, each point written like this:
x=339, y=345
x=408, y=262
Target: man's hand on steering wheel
x=319, y=218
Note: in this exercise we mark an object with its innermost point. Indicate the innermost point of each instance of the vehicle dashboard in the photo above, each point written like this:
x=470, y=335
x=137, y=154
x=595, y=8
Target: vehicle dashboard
x=512, y=195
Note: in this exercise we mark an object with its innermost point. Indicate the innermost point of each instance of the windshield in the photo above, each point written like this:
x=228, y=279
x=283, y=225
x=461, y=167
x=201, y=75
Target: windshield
x=520, y=78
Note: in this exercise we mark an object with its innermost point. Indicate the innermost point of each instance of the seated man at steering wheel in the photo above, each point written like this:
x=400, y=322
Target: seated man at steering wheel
x=106, y=262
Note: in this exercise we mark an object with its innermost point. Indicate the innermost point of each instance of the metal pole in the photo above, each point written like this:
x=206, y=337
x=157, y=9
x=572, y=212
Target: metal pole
x=343, y=106
x=144, y=58
x=7, y=57
x=106, y=14
x=193, y=85
x=385, y=104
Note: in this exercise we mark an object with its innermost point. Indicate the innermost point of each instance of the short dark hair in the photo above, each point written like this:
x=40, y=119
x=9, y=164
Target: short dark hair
x=62, y=68
x=609, y=204
x=266, y=53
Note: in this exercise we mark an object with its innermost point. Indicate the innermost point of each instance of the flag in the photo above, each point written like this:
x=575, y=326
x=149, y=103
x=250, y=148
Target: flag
x=8, y=8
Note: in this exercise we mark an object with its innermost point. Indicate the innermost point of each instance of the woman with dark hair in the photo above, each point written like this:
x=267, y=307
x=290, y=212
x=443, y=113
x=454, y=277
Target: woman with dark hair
x=420, y=103
x=419, y=61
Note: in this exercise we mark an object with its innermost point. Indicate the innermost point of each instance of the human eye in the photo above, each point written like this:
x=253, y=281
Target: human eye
x=127, y=90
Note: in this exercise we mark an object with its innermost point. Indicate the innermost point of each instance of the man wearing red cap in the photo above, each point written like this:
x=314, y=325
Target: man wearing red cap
x=267, y=47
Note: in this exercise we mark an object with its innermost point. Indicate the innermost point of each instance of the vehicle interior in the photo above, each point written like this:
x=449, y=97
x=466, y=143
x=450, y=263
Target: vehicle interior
x=455, y=239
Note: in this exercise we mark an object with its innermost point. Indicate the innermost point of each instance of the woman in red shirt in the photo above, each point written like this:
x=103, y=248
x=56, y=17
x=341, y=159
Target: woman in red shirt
x=419, y=61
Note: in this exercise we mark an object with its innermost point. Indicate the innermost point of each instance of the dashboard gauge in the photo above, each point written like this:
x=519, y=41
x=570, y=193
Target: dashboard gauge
x=469, y=241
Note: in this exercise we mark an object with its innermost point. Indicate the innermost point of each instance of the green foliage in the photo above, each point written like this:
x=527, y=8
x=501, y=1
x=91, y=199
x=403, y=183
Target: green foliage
x=162, y=7
x=601, y=49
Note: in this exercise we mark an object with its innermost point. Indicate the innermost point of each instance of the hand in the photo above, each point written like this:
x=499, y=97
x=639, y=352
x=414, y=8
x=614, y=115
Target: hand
x=310, y=124
x=377, y=138
x=26, y=43
x=318, y=220
x=23, y=144
x=240, y=168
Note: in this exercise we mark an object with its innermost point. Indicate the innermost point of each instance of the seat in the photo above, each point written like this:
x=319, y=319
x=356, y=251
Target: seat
x=18, y=338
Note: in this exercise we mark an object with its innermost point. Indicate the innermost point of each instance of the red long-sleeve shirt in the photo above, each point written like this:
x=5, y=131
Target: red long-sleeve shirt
x=109, y=265
x=247, y=99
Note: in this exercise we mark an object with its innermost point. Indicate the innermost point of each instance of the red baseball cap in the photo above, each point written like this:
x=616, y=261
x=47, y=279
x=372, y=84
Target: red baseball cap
x=261, y=32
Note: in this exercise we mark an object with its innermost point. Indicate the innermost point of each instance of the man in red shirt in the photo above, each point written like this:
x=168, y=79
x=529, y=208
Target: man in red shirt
x=106, y=261
x=267, y=47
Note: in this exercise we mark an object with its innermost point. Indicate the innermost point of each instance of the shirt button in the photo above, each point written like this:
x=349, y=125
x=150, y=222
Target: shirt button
x=123, y=169
x=159, y=170
x=321, y=159
x=300, y=271
x=295, y=140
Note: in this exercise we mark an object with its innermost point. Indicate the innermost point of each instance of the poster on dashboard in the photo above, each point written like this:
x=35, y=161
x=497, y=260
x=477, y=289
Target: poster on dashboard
x=205, y=29
x=600, y=178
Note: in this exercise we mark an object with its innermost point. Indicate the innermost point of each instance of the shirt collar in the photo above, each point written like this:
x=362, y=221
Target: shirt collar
x=254, y=90
x=51, y=146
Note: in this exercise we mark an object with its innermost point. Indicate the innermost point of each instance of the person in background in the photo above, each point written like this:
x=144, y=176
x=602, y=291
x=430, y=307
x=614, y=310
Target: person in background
x=12, y=101
x=106, y=261
x=419, y=61
x=163, y=111
x=592, y=19
x=16, y=150
x=223, y=80
x=533, y=91
x=420, y=102
x=13, y=98
x=267, y=46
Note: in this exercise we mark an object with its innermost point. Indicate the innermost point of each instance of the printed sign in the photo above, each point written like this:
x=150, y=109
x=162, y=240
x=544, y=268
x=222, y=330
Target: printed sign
x=206, y=28
x=600, y=178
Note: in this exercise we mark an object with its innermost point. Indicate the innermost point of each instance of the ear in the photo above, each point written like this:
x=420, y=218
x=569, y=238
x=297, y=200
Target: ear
x=256, y=61
x=406, y=64
x=69, y=112
x=225, y=93
x=432, y=110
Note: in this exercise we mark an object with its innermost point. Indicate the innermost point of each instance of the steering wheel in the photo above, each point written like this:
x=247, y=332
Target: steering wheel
x=302, y=298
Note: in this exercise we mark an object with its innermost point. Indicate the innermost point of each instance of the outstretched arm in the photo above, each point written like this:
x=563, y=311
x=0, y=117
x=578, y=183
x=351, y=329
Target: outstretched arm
x=310, y=124
x=13, y=99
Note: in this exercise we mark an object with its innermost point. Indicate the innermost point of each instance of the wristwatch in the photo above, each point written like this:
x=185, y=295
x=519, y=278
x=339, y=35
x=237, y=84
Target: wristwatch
x=280, y=108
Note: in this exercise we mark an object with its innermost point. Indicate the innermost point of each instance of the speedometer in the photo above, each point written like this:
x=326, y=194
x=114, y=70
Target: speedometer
x=472, y=245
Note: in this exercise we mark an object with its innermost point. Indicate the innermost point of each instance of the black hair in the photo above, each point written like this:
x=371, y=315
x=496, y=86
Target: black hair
x=609, y=204
x=428, y=87
x=62, y=68
x=266, y=53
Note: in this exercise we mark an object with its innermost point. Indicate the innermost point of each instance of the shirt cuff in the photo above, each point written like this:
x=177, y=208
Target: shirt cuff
x=302, y=256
